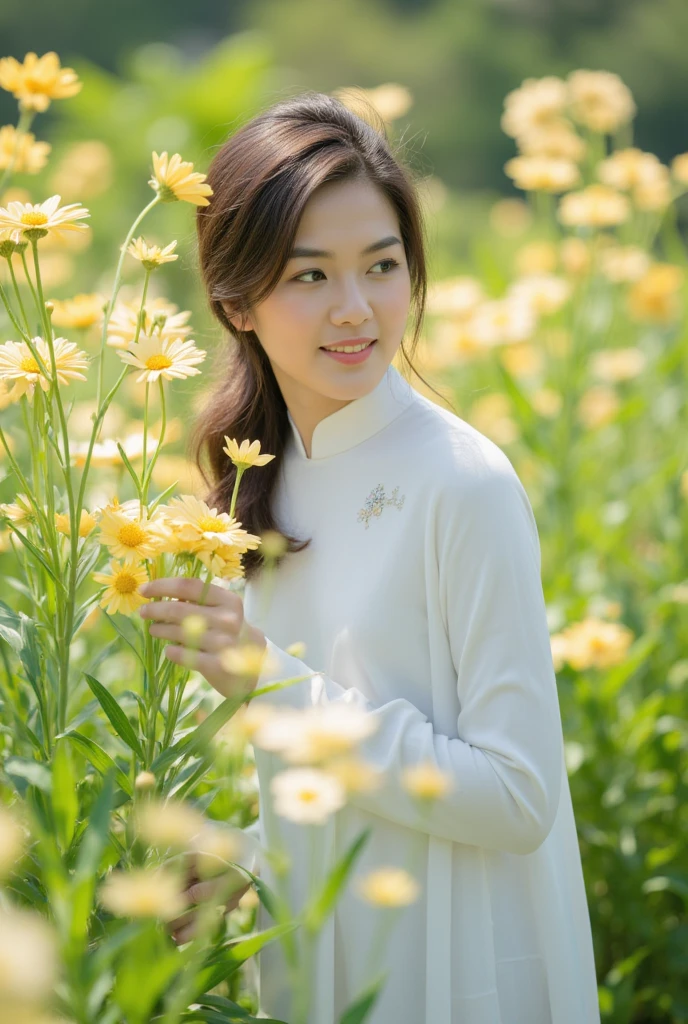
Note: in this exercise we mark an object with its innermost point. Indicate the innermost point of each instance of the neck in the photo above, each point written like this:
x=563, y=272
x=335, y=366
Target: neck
x=307, y=408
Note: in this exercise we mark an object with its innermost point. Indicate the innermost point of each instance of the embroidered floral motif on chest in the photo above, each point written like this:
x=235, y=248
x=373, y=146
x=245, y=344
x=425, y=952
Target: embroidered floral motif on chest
x=376, y=501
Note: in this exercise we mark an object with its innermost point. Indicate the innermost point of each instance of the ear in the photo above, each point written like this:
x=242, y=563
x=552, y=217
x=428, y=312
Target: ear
x=241, y=323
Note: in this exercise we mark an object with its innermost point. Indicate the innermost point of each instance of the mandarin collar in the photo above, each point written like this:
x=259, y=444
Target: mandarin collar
x=357, y=421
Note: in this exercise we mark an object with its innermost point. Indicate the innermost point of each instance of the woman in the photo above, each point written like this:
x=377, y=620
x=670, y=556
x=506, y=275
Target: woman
x=412, y=577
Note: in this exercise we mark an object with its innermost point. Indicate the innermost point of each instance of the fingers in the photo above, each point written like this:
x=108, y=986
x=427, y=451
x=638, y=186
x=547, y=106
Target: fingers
x=176, y=611
x=211, y=641
x=185, y=588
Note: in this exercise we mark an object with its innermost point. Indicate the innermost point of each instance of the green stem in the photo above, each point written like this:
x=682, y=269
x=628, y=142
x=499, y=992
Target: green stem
x=17, y=293
x=10, y=312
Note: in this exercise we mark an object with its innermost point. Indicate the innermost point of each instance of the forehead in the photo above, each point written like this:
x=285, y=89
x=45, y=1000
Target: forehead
x=347, y=213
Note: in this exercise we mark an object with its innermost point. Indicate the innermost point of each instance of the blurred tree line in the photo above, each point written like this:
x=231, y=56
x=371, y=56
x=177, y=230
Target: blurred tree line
x=459, y=58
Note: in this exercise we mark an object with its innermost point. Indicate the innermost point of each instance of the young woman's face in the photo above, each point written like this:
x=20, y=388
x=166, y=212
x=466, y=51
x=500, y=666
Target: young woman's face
x=340, y=294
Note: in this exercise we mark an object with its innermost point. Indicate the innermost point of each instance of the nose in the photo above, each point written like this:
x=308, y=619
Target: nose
x=354, y=307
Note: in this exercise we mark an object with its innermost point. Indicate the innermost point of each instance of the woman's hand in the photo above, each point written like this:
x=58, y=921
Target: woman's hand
x=182, y=928
x=223, y=612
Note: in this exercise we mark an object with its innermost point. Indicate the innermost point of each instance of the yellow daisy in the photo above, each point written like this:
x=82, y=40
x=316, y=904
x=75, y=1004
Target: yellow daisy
x=388, y=887
x=46, y=218
x=17, y=363
x=247, y=454
x=160, y=317
x=81, y=311
x=87, y=523
x=166, y=357
x=151, y=256
x=38, y=80
x=143, y=892
x=208, y=528
x=174, y=178
x=29, y=155
x=20, y=512
x=132, y=539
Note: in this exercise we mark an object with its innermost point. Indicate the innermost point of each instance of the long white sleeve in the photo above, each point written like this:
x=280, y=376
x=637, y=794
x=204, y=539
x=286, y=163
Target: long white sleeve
x=506, y=763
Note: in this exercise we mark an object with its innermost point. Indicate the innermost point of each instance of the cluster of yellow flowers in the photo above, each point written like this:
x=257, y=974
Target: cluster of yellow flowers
x=591, y=643
x=185, y=528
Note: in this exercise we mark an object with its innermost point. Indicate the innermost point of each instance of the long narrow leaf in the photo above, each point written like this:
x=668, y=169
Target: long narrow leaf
x=99, y=758
x=323, y=902
x=118, y=720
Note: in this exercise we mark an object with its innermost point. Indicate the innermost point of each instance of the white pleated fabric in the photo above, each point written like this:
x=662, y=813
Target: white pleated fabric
x=420, y=600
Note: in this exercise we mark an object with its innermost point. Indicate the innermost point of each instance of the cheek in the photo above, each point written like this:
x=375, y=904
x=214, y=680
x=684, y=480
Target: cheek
x=288, y=327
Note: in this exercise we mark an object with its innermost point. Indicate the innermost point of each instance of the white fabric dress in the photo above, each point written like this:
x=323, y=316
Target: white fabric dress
x=420, y=599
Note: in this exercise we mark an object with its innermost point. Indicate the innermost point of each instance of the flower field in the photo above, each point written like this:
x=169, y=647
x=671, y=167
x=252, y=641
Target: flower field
x=126, y=782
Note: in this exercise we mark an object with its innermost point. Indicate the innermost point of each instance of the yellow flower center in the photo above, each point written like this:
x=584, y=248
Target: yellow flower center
x=131, y=535
x=158, y=362
x=125, y=583
x=32, y=219
x=212, y=525
x=29, y=365
x=308, y=795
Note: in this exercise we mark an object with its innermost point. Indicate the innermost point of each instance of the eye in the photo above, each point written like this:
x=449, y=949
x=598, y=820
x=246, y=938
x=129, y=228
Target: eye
x=393, y=263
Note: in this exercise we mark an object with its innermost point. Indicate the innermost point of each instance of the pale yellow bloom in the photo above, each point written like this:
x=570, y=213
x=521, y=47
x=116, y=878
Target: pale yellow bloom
x=545, y=293
x=47, y=217
x=196, y=522
x=38, y=80
x=12, y=840
x=20, y=512
x=88, y=522
x=133, y=539
x=274, y=545
x=627, y=168
x=143, y=892
x=152, y=256
x=575, y=256
x=558, y=140
x=522, y=359
x=598, y=406
x=246, y=721
x=656, y=295
x=105, y=453
x=86, y=170
x=315, y=734
x=28, y=956
x=144, y=780
x=510, y=217
x=456, y=297
x=170, y=823
x=593, y=643
x=679, y=168
x=542, y=173
x=174, y=178
x=600, y=100
x=654, y=195
x=426, y=781
x=215, y=847
x=18, y=364
x=546, y=402
x=618, y=364
x=388, y=887
x=83, y=310
x=169, y=358
x=247, y=660
x=503, y=322
x=536, y=104
x=160, y=317
x=29, y=156
x=122, y=587
x=308, y=796
x=536, y=258
x=390, y=100
x=247, y=454
x=594, y=206
x=356, y=775
x=624, y=263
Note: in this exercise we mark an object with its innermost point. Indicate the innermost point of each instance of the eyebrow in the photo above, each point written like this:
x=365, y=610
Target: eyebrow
x=384, y=243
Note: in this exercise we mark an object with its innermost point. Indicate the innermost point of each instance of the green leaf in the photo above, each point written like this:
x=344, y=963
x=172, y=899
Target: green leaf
x=88, y=861
x=118, y=720
x=361, y=1007
x=38, y=555
x=196, y=742
x=64, y=797
x=161, y=497
x=99, y=758
x=24, y=771
x=130, y=470
x=323, y=902
x=134, y=639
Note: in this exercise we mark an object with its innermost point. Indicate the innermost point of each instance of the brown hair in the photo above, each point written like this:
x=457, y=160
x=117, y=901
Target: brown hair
x=262, y=177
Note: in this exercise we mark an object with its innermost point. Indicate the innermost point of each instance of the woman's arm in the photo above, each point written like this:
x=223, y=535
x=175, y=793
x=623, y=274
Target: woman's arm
x=506, y=764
